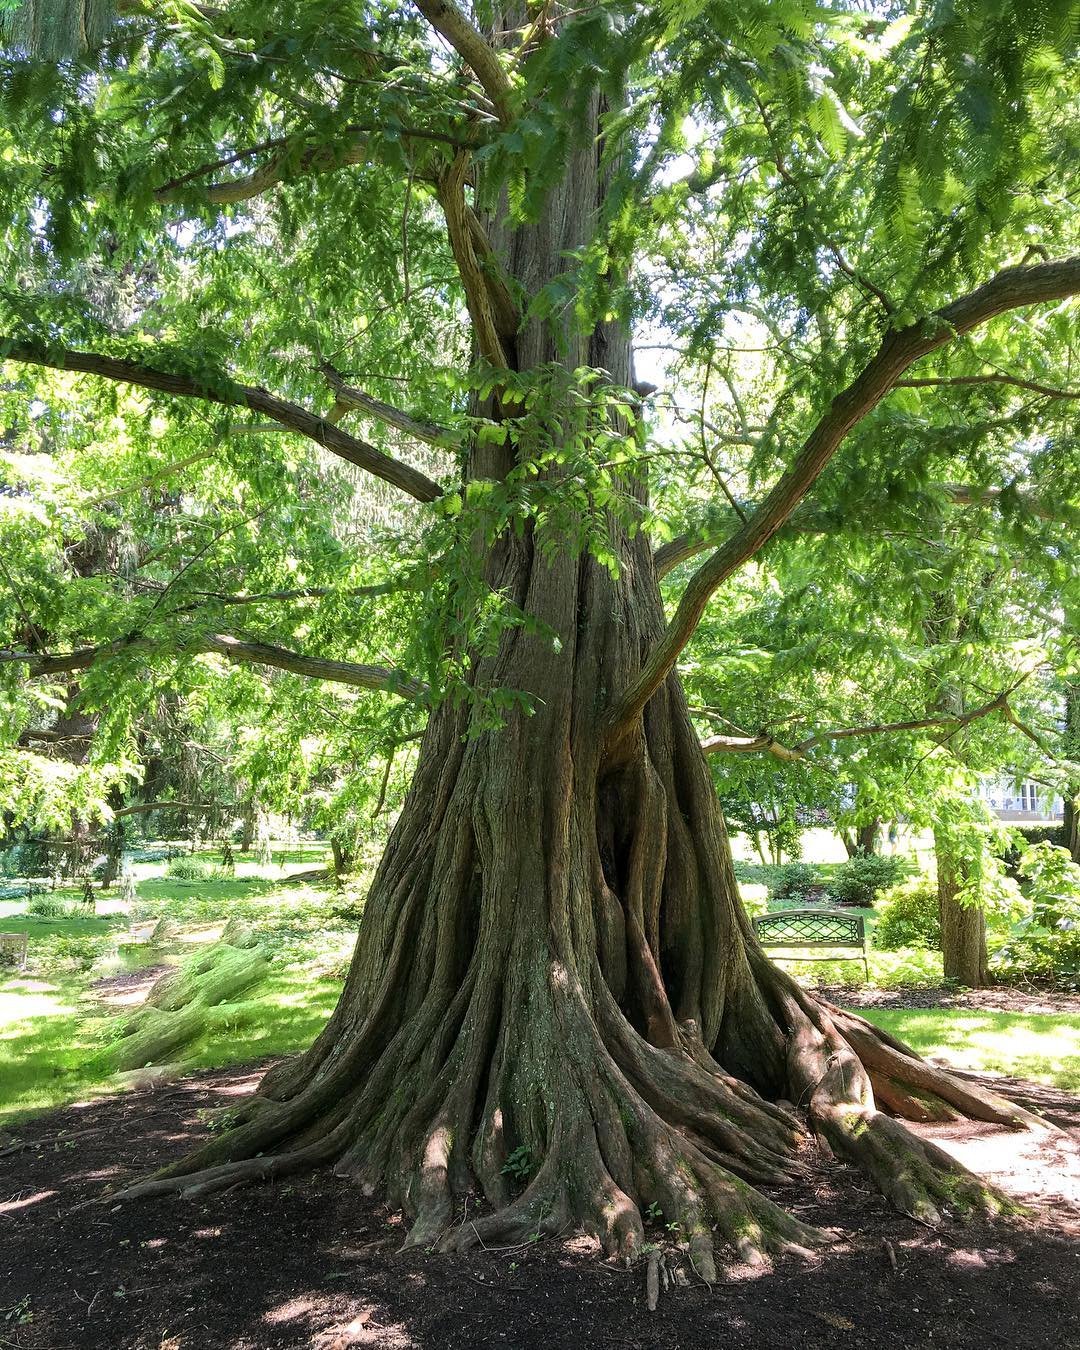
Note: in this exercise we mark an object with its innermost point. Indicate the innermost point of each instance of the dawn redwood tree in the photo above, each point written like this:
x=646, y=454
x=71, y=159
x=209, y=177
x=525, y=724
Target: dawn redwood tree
x=553, y=960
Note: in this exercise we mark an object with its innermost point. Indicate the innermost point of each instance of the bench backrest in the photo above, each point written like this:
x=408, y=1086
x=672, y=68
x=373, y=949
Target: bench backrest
x=14, y=943
x=810, y=928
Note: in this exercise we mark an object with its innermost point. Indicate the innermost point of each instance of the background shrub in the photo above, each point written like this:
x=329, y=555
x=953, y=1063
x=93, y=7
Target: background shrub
x=861, y=880
x=908, y=917
x=796, y=883
x=1043, y=941
x=197, y=869
x=55, y=907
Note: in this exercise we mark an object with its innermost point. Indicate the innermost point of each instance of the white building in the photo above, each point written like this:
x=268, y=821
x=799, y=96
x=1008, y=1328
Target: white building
x=1025, y=801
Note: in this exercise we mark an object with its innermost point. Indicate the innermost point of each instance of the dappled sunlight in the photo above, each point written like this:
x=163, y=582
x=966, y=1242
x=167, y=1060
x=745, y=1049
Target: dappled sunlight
x=18, y=1006
x=1042, y=1166
x=25, y=1201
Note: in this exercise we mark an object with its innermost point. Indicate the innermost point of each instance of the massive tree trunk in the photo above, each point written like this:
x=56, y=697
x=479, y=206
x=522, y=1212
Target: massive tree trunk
x=963, y=927
x=553, y=964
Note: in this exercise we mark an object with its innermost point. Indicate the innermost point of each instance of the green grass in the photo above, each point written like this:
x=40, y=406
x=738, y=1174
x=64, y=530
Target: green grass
x=1044, y=1047
x=52, y=1024
x=50, y=1034
x=45, y=1043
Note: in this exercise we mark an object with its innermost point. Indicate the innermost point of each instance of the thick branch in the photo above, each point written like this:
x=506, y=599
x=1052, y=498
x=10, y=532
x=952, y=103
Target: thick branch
x=234, y=649
x=142, y=808
x=231, y=394
x=292, y=163
x=901, y=348
x=747, y=745
x=419, y=429
x=452, y=23
x=933, y=381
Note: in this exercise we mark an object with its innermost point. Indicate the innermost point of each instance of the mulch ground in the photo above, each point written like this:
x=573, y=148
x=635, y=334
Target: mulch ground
x=311, y=1263
x=945, y=996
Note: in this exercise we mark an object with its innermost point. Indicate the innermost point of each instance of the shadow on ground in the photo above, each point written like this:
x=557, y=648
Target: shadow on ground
x=311, y=1263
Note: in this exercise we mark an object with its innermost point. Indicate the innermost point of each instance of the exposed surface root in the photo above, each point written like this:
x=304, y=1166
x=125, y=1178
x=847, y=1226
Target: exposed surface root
x=187, y=1002
x=836, y=1085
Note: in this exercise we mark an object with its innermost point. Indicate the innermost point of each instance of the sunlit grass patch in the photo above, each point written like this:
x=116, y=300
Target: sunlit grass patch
x=47, y=1042
x=1044, y=1047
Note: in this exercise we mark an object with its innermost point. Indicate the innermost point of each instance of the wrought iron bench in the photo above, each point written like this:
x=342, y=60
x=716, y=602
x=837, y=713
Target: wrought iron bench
x=15, y=945
x=815, y=929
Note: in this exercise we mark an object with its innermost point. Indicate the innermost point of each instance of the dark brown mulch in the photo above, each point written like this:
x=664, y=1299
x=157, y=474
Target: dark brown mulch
x=311, y=1263
x=1001, y=999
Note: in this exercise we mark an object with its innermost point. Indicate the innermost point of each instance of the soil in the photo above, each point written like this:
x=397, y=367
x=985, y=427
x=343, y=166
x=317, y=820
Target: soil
x=312, y=1263
x=1001, y=999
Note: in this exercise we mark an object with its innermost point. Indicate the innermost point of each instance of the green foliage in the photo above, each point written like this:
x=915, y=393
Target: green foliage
x=860, y=881
x=54, y=907
x=198, y=869
x=1041, y=939
x=519, y=1164
x=907, y=916
x=796, y=882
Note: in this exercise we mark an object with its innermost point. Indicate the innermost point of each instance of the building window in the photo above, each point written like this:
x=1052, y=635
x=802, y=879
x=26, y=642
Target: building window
x=1029, y=800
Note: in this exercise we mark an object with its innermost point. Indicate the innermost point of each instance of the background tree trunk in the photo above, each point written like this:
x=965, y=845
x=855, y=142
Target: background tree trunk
x=862, y=840
x=963, y=927
x=1071, y=748
x=247, y=828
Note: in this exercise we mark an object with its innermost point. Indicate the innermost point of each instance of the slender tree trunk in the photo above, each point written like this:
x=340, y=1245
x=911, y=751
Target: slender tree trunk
x=1071, y=818
x=963, y=927
x=1072, y=827
x=247, y=836
x=343, y=858
x=553, y=960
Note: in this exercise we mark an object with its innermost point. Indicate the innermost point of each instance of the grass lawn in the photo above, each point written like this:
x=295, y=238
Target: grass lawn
x=53, y=1024
x=1044, y=1047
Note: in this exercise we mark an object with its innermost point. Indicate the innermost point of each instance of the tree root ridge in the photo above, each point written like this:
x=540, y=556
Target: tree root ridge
x=839, y=1061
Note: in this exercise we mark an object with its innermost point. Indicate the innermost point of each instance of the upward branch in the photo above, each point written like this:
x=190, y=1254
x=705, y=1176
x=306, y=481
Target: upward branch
x=452, y=23
x=900, y=349
x=227, y=392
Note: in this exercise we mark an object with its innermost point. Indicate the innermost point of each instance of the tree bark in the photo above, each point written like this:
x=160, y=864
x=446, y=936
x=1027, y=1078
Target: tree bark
x=963, y=927
x=1071, y=816
x=862, y=840
x=247, y=828
x=343, y=857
